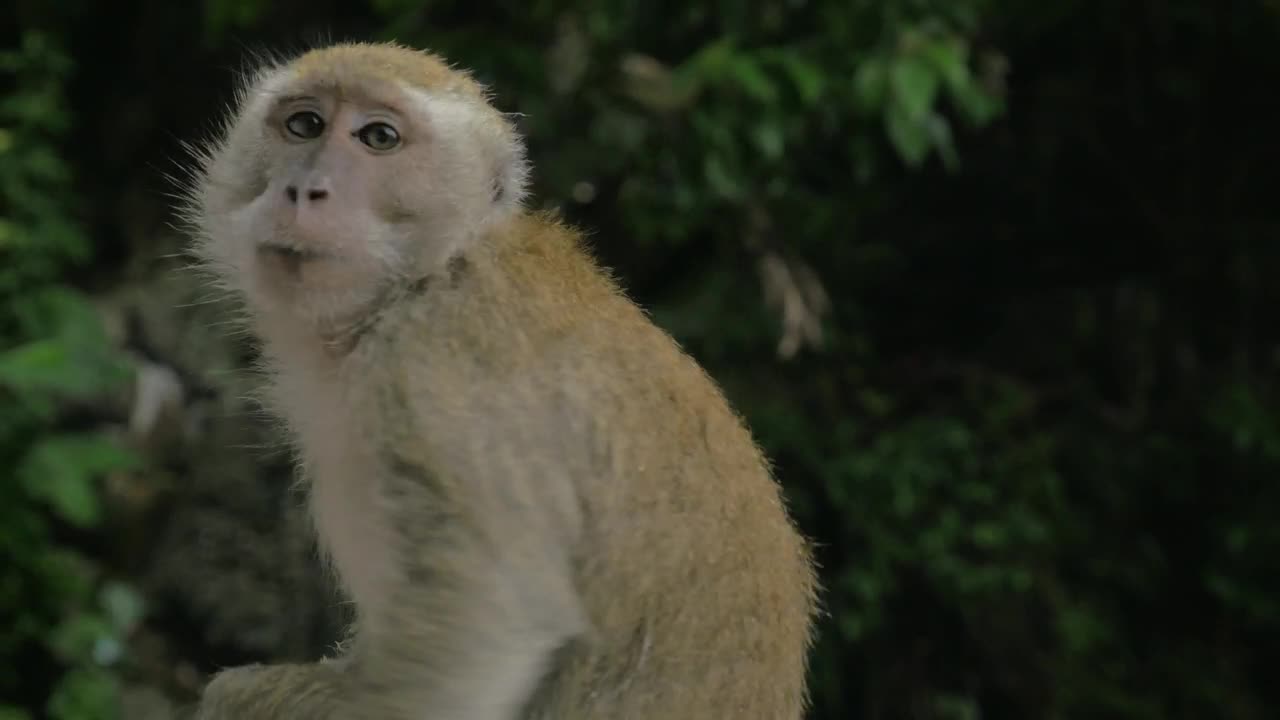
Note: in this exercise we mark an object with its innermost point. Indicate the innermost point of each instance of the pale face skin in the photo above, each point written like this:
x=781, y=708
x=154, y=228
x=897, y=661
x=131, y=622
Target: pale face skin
x=328, y=188
x=333, y=195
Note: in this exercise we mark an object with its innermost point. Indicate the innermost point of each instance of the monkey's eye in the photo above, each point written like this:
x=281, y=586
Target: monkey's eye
x=306, y=125
x=379, y=136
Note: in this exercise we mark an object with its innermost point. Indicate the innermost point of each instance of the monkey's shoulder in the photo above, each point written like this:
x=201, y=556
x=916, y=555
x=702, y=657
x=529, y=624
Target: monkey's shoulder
x=532, y=305
x=546, y=259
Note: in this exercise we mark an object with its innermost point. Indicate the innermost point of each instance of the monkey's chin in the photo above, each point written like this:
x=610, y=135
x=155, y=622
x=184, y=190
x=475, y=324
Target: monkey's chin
x=312, y=286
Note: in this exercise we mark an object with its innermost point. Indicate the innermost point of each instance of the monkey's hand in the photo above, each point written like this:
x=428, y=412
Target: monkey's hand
x=278, y=692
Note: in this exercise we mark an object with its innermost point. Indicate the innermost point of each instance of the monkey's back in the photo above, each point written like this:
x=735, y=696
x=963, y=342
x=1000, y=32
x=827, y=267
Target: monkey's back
x=697, y=589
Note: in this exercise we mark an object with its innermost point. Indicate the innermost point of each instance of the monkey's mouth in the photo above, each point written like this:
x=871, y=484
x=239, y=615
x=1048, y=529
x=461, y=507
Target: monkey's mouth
x=288, y=253
x=290, y=257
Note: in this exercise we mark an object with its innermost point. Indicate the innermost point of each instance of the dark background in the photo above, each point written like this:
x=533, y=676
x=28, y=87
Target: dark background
x=992, y=282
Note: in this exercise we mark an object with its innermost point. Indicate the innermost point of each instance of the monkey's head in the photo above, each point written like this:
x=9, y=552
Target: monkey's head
x=346, y=171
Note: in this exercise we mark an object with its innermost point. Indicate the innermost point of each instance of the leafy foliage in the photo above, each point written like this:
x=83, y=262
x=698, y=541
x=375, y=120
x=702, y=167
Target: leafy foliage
x=64, y=627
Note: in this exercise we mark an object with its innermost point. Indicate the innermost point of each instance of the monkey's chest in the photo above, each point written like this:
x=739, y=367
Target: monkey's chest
x=352, y=524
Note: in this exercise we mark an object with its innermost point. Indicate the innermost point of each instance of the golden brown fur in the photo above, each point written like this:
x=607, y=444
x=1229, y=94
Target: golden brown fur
x=541, y=506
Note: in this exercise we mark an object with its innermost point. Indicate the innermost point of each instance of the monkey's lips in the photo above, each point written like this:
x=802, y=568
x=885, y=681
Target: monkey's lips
x=289, y=257
x=289, y=253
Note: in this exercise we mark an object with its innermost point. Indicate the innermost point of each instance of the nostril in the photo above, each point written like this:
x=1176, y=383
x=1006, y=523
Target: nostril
x=291, y=192
x=317, y=194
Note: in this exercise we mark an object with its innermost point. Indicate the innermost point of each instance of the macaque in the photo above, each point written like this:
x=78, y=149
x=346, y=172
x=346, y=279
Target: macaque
x=539, y=505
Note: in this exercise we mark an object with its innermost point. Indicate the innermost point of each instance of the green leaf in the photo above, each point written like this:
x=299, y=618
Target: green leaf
x=989, y=535
x=75, y=638
x=807, y=77
x=71, y=357
x=871, y=84
x=977, y=106
x=719, y=178
x=915, y=85
x=768, y=138
x=10, y=233
x=224, y=16
x=909, y=134
x=59, y=311
x=66, y=575
x=940, y=136
x=711, y=61
x=852, y=626
x=61, y=471
x=1079, y=629
x=749, y=76
x=42, y=164
x=45, y=366
x=949, y=57
x=85, y=694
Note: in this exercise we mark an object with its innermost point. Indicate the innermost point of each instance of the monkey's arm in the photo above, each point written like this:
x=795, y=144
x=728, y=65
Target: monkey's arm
x=272, y=691
x=481, y=597
x=487, y=597
x=468, y=635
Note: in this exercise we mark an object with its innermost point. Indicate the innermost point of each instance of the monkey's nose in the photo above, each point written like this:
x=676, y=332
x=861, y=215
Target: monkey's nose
x=315, y=193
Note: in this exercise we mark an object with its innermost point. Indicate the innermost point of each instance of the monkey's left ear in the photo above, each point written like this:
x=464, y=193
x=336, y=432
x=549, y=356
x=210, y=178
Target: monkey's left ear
x=510, y=173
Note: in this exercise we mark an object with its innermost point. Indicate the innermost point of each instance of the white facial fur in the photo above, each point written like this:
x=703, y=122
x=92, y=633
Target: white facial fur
x=377, y=218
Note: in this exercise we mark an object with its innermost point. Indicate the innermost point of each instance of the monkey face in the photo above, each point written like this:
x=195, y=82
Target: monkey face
x=337, y=180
